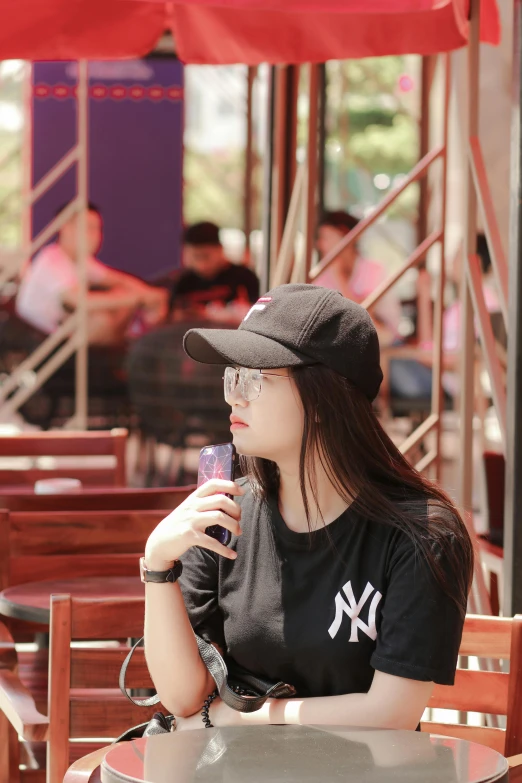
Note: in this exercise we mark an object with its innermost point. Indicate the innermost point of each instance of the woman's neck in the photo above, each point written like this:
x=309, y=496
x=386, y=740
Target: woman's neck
x=329, y=506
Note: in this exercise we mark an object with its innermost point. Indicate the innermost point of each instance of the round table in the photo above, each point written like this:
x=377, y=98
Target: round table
x=31, y=601
x=308, y=754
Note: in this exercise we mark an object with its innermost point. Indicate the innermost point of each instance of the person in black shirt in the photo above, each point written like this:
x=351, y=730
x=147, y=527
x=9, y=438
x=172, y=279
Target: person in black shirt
x=209, y=282
x=348, y=572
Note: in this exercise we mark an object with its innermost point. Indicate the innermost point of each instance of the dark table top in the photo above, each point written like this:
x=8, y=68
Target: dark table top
x=31, y=601
x=308, y=754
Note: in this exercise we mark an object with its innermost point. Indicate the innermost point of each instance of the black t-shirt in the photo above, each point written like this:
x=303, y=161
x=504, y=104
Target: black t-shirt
x=324, y=615
x=232, y=282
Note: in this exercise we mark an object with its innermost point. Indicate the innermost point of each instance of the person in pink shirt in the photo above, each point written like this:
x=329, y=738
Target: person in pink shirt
x=355, y=276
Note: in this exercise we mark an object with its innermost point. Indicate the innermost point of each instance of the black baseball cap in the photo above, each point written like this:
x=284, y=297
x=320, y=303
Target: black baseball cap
x=297, y=325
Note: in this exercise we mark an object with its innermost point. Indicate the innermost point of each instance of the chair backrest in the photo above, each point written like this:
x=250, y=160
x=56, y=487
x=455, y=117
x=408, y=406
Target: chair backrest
x=107, y=499
x=84, y=700
x=72, y=544
x=488, y=692
x=46, y=447
x=166, y=387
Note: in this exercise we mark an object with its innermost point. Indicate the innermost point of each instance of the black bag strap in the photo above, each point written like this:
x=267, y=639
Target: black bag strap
x=218, y=670
x=152, y=700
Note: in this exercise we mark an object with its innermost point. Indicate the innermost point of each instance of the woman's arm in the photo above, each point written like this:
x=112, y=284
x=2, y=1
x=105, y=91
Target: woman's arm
x=180, y=676
x=391, y=703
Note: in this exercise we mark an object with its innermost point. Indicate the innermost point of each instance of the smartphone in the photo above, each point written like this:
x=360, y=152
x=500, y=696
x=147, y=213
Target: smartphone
x=217, y=462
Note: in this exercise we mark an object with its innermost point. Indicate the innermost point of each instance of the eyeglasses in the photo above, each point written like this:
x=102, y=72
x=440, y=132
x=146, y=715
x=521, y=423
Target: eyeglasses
x=250, y=382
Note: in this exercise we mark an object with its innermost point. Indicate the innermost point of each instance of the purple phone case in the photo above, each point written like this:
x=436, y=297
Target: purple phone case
x=217, y=462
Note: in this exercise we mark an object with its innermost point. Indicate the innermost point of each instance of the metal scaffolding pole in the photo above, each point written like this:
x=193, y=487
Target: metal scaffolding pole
x=248, y=196
x=82, y=392
x=268, y=171
x=468, y=336
x=512, y=597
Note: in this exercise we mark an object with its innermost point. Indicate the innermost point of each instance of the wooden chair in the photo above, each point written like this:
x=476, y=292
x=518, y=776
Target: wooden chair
x=106, y=499
x=69, y=544
x=491, y=693
x=84, y=699
x=34, y=446
x=66, y=545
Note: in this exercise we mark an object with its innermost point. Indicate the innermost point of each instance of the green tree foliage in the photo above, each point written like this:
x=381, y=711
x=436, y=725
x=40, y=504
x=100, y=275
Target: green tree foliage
x=371, y=129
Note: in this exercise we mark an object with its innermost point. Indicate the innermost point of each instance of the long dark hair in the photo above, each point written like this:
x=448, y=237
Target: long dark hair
x=363, y=464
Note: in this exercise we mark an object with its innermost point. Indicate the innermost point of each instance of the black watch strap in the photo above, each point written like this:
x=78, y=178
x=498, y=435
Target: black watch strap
x=171, y=575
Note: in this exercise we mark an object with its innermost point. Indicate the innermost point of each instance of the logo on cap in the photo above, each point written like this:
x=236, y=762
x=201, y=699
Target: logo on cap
x=260, y=305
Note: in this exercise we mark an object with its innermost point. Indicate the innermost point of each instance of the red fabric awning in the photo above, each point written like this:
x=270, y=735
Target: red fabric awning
x=238, y=31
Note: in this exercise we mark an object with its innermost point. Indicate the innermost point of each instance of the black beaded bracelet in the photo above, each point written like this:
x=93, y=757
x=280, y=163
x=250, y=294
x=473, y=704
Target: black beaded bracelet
x=206, y=708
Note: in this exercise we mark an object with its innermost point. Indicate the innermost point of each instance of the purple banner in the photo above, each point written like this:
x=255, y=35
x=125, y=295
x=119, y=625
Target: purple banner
x=135, y=155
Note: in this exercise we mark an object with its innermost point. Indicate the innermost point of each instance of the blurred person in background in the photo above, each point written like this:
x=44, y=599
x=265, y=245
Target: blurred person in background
x=49, y=288
x=210, y=285
x=355, y=276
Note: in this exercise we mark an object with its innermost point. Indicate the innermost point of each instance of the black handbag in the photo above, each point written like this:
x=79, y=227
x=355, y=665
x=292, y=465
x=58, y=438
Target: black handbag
x=241, y=690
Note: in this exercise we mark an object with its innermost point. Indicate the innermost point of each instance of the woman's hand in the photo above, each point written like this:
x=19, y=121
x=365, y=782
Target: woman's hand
x=185, y=526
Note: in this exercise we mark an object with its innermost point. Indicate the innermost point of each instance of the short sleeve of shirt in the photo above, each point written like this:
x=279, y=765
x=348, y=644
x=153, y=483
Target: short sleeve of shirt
x=421, y=626
x=199, y=585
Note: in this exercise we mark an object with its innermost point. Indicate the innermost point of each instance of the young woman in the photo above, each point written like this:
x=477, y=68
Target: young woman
x=348, y=573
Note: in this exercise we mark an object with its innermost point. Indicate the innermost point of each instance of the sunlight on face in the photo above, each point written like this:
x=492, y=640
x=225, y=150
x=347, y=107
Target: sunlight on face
x=275, y=420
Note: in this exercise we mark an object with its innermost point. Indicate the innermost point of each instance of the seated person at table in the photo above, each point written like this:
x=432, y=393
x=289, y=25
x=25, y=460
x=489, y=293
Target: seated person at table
x=49, y=288
x=347, y=572
x=210, y=285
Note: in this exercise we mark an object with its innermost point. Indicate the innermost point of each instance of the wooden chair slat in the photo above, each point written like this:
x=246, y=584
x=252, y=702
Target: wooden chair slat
x=106, y=716
x=474, y=691
x=61, y=443
x=514, y=712
x=94, y=477
x=107, y=669
x=66, y=444
x=59, y=675
x=107, y=618
x=89, y=532
x=33, y=569
x=99, y=499
x=488, y=637
x=493, y=738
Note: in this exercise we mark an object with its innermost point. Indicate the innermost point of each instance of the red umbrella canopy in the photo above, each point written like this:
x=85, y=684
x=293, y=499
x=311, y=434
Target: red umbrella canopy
x=238, y=31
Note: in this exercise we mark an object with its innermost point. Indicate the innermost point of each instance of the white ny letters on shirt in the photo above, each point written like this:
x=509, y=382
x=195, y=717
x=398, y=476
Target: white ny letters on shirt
x=353, y=610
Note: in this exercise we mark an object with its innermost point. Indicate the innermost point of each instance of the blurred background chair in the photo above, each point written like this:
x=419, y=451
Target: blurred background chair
x=175, y=399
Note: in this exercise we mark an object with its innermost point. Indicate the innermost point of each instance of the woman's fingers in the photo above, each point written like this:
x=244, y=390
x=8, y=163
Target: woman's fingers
x=219, y=503
x=207, y=542
x=216, y=517
x=217, y=487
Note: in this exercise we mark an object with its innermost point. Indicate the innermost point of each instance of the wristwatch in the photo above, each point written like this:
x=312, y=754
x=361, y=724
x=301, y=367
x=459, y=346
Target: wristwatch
x=171, y=575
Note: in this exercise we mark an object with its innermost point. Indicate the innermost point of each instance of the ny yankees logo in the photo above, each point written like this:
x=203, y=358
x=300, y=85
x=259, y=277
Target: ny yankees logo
x=353, y=610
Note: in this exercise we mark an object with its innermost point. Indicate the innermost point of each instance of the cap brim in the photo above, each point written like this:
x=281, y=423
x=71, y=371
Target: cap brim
x=241, y=348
